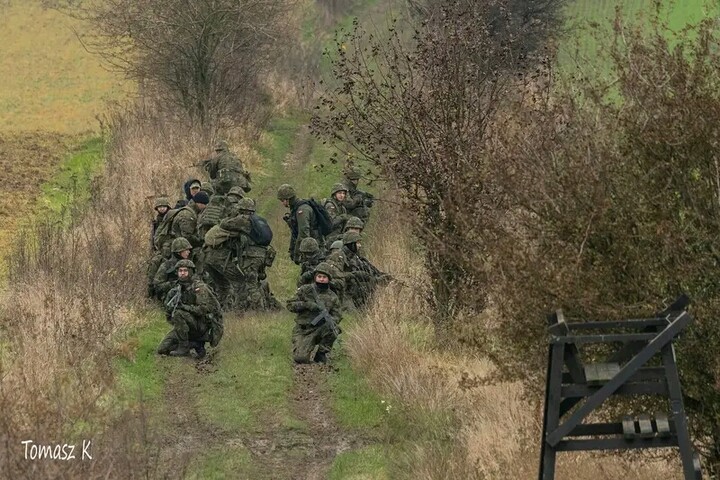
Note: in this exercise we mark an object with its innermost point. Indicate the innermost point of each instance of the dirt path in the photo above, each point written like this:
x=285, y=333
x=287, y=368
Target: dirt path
x=277, y=451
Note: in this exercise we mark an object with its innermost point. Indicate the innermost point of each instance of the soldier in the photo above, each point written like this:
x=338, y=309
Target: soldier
x=354, y=224
x=226, y=170
x=182, y=222
x=301, y=220
x=165, y=277
x=336, y=208
x=161, y=207
x=221, y=253
x=194, y=313
x=318, y=317
x=310, y=257
x=231, y=199
x=361, y=276
x=358, y=203
x=251, y=262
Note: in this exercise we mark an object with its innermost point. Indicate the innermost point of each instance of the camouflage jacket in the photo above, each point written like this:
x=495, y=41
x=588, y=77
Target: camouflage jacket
x=309, y=301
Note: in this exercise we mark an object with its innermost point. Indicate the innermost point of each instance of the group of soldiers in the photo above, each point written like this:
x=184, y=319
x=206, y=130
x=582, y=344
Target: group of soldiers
x=210, y=252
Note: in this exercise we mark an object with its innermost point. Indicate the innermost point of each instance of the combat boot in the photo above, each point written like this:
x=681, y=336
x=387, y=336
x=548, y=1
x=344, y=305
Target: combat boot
x=199, y=349
x=183, y=350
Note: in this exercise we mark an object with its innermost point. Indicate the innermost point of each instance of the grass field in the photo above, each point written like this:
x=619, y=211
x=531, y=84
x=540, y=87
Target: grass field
x=49, y=82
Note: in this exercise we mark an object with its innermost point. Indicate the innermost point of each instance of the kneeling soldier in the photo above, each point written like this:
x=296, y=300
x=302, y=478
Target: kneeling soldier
x=318, y=316
x=194, y=313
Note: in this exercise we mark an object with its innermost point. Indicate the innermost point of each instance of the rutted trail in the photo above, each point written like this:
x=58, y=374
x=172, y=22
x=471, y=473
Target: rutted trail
x=210, y=406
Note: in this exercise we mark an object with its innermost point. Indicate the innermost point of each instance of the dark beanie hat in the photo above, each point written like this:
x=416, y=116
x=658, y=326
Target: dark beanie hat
x=201, y=197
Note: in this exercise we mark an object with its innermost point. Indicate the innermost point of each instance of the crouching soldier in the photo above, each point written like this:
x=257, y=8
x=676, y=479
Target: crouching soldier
x=194, y=313
x=318, y=316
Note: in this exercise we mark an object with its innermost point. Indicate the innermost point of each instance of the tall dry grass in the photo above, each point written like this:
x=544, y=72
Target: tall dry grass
x=478, y=427
x=71, y=290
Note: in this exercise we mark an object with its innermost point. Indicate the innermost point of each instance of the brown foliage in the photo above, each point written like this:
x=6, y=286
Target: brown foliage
x=598, y=198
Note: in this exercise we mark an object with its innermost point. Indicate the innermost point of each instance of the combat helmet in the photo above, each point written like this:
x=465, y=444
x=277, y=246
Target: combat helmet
x=353, y=173
x=338, y=187
x=324, y=268
x=207, y=188
x=221, y=146
x=180, y=244
x=162, y=202
x=236, y=192
x=185, y=263
x=309, y=245
x=286, y=192
x=337, y=244
x=354, y=222
x=247, y=204
x=351, y=237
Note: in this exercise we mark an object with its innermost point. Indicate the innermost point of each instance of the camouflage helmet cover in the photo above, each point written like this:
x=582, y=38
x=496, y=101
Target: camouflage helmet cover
x=338, y=187
x=286, y=192
x=162, y=202
x=184, y=263
x=324, y=268
x=236, y=192
x=246, y=204
x=336, y=245
x=354, y=222
x=309, y=245
x=351, y=237
x=207, y=188
x=221, y=145
x=353, y=173
x=180, y=244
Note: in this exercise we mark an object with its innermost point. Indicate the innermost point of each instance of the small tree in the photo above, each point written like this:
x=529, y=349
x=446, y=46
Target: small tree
x=201, y=56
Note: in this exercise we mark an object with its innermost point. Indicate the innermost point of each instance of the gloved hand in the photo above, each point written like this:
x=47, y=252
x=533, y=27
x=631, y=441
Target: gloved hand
x=194, y=309
x=313, y=307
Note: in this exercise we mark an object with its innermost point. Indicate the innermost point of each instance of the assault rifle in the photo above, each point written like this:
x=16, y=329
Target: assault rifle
x=324, y=316
x=175, y=295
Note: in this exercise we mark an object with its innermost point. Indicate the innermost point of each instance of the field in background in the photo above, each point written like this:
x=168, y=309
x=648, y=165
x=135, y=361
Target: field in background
x=586, y=18
x=50, y=83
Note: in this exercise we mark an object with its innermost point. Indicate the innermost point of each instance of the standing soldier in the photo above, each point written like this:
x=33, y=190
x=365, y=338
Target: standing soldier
x=318, y=316
x=226, y=170
x=251, y=261
x=223, y=247
x=336, y=208
x=194, y=313
x=301, y=220
x=358, y=203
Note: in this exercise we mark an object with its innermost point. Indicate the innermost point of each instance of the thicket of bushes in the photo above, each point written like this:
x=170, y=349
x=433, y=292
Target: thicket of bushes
x=531, y=191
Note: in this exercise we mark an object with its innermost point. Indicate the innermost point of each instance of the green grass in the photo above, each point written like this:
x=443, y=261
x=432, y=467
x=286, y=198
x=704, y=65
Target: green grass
x=139, y=377
x=590, y=23
x=365, y=463
x=230, y=462
x=69, y=188
x=253, y=379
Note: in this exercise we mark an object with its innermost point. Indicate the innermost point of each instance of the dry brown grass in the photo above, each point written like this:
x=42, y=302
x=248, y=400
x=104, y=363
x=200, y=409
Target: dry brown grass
x=486, y=430
x=71, y=290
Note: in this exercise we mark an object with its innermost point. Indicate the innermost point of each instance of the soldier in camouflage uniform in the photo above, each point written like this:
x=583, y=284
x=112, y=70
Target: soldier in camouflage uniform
x=161, y=207
x=318, y=316
x=358, y=203
x=194, y=313
x=361, y=276
x=223, y=248
x=252, y=263
x=336, y=208
x=301, y=220
x=182, y=223
x=165, y=277
x=226, y=170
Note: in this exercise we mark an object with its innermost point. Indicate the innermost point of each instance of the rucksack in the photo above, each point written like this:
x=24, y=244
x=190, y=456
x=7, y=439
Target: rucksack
x=260, y=231
x=163, y=233
x=322, y=217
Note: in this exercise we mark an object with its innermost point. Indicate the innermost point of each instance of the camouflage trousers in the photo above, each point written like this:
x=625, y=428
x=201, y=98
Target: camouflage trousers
x=306, y=337
x=186, y=328
x=252, y=290
x=225, y=278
